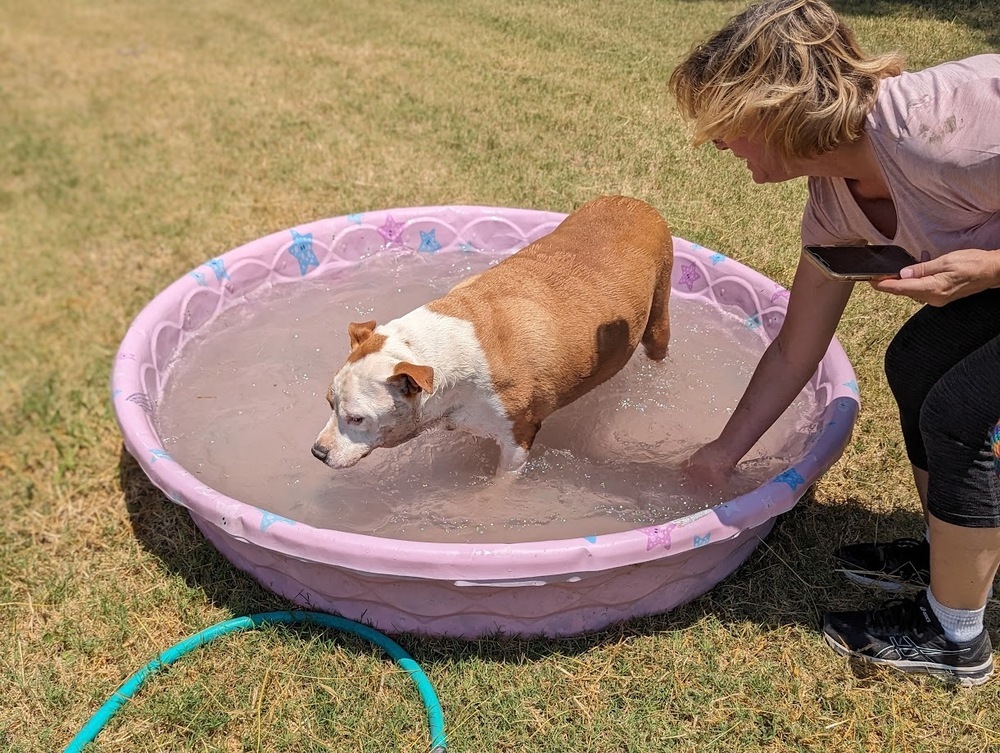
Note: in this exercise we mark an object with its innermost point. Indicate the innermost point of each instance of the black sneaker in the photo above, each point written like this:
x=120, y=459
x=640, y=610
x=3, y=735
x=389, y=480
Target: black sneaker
x=892, y=566
x=906, y=634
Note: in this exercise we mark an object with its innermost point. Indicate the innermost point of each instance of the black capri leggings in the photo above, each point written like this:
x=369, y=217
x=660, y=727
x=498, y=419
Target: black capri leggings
x=943, y=367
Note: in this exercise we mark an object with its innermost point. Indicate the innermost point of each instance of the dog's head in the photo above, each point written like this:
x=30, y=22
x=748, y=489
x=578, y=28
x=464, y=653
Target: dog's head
x=375, y=398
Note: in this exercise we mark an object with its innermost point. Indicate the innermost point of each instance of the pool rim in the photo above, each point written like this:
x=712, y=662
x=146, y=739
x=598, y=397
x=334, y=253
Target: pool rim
x=480, y=563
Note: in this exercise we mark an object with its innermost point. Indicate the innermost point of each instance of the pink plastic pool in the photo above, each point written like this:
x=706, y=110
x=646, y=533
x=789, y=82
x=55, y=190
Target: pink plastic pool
x=553, y=588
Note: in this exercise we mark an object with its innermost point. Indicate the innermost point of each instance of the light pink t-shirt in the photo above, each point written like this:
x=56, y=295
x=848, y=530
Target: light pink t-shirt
x=936, y=134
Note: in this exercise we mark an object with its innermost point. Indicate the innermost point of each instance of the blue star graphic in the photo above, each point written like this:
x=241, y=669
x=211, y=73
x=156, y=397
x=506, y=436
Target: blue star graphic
x=428, y=242
x=159, y=455
x=716, y=258
x=355, y=218
x=302, y=250
x=753, y=322
x=790, y=477
x=852, y=386
x=268, y=519
x=702, y=540
x=219, y=267
x=199, y=277
x=591, y=539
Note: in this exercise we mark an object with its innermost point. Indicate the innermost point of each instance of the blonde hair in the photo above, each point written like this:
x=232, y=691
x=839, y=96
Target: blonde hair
x=787, y=71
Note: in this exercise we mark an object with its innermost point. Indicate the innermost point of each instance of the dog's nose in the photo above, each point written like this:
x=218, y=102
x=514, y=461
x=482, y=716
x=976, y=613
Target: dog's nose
x=320, y=453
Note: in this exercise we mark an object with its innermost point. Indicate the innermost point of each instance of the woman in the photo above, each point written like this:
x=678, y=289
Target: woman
x=911, y=159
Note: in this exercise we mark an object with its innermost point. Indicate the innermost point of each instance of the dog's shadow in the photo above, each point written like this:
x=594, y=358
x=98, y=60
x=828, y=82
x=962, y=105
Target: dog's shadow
x=788, y=580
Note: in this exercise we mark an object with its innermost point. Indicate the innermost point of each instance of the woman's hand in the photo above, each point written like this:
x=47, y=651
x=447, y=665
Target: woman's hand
x=947, y=278
x=710, y=467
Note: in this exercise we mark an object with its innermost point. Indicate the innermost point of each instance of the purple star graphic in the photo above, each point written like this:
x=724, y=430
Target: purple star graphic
x=689, y=275
x=391, y=230
x=779, y=294
x=658, y=536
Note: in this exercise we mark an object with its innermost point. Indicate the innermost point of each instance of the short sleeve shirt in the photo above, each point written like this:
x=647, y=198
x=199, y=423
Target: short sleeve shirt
x=936, y=135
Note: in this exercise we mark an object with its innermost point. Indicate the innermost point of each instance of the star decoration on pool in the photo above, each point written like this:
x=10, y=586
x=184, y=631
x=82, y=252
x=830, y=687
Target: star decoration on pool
x=219, y=267
x=689, y=275
x=753, y=322
x=199, y=278
x=268, y=519
x=702, y=540
x=790, y=477
x=354, y=218
x=391, y=230
x=158, y=454
x=778, y=294
x=428, y=242
x=302, y=250
x=852, y=385
x=716, y=258
x=658, y=536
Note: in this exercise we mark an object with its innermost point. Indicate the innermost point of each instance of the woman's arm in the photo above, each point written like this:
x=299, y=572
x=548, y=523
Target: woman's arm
x=815, y=306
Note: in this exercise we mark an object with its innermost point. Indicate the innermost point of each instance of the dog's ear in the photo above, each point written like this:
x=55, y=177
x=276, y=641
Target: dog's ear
x=412, y=378
x=359, y=332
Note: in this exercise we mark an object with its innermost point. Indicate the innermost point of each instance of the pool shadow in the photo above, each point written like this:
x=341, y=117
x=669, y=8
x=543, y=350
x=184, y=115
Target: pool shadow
x=789, y=580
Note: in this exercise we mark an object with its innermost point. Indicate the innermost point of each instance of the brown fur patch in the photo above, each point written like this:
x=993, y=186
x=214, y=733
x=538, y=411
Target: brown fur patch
x=373, y=344
x=422, y=376
x=564, y=313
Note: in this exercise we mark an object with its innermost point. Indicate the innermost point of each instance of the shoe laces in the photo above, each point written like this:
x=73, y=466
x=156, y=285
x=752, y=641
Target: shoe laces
x=898, y=615
x=901, y=551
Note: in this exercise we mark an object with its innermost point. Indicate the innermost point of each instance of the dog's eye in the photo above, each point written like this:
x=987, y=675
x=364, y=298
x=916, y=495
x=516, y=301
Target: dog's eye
x=354, y=420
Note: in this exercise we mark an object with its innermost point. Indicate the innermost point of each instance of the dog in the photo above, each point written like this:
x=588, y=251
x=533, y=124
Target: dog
x=504, y=349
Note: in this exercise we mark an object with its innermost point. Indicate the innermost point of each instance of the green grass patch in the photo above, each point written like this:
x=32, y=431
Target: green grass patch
x=140, y=138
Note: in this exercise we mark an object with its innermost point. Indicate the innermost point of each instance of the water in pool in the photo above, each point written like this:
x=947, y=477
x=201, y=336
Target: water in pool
x=245, y=399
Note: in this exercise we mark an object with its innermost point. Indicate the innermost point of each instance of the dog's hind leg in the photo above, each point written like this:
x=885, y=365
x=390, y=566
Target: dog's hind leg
x=656, y=336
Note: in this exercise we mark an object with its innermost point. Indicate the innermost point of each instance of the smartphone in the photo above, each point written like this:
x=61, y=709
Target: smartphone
x=859, y=262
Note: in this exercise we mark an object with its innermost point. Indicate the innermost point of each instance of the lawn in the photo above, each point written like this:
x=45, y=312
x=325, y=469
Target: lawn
x=140, y=138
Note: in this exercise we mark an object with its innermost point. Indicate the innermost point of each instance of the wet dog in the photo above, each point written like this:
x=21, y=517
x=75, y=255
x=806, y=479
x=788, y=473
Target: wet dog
x=508, y=347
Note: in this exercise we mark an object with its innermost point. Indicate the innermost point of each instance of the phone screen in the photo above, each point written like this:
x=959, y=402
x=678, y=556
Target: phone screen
x=862, y=261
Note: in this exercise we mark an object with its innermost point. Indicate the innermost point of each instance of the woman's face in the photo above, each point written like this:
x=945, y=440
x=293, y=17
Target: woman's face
x=763, y=162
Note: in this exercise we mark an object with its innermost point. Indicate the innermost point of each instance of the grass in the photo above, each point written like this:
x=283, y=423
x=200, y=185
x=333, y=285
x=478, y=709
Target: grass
x=139, y=138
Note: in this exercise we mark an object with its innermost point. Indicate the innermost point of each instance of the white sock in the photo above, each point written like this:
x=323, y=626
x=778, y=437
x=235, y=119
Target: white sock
x=959, y=625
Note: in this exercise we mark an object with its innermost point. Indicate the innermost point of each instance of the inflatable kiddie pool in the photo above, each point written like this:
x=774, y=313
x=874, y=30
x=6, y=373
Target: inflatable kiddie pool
x=552, y=588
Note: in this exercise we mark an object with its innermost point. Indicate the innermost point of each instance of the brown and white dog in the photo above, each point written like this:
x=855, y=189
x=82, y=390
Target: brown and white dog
x=511, y=345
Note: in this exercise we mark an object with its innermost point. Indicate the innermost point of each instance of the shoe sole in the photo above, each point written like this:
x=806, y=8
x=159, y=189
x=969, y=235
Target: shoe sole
x=880, y=581
x=967, y=677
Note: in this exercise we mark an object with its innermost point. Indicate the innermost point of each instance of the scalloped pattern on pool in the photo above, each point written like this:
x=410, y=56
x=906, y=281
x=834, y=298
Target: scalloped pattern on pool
x=609, y=564
x=246, y=398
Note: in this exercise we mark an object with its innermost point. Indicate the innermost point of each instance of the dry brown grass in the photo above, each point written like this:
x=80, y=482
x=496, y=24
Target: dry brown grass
x=138, y=139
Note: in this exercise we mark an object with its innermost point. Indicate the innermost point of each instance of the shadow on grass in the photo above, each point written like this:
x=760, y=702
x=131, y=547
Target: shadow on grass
x=977, y=15
x=787, y=581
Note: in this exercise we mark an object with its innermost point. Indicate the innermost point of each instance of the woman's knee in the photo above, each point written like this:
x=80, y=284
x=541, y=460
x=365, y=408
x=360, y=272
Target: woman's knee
x=962, y=443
